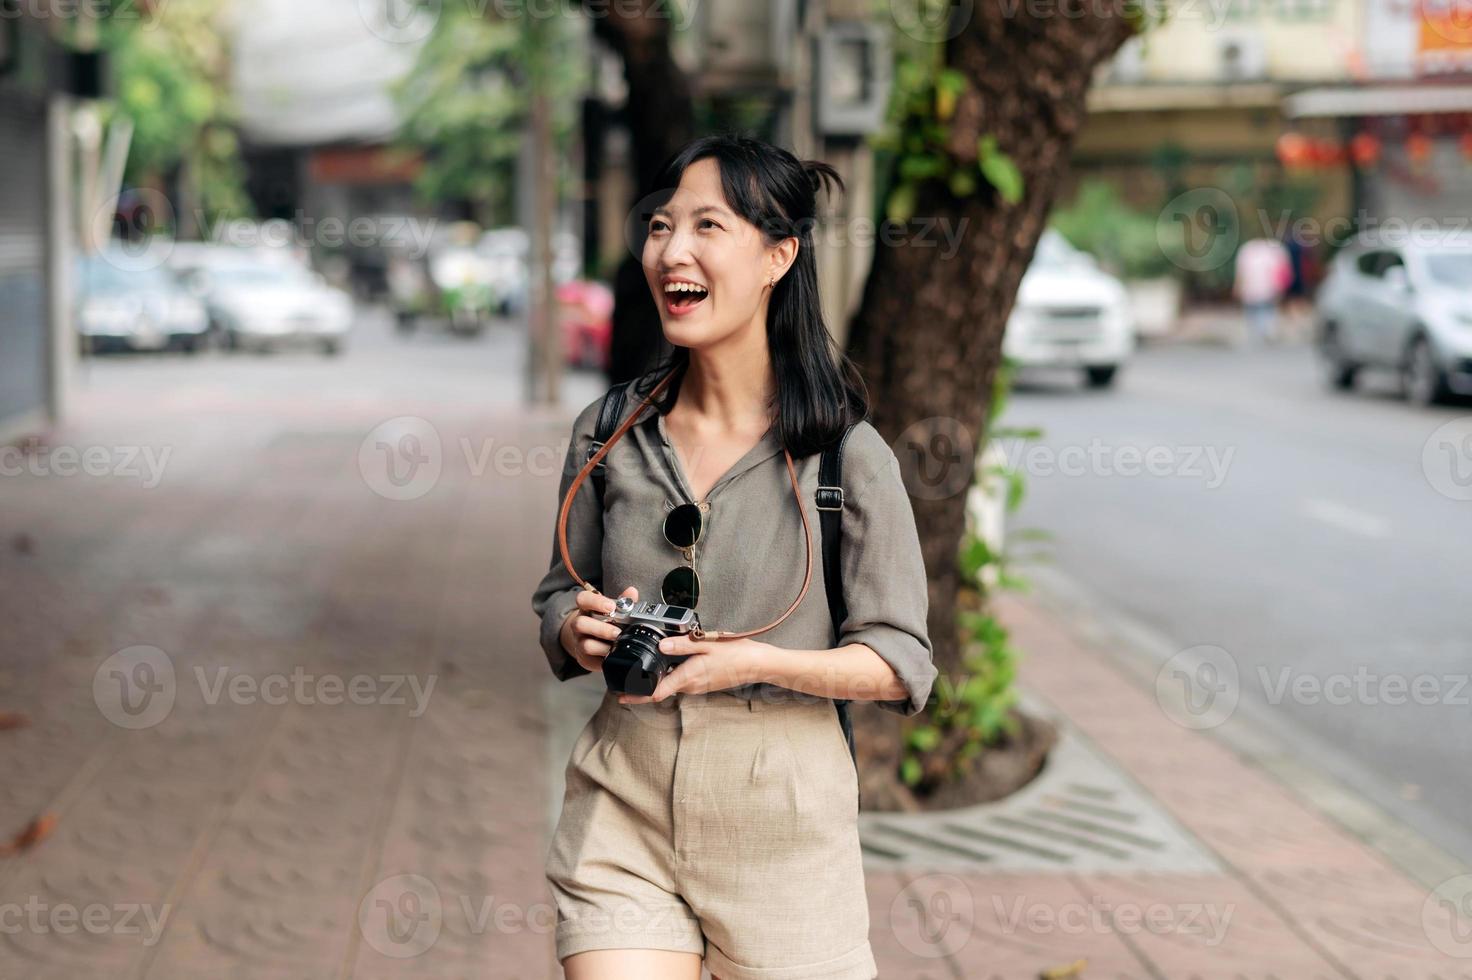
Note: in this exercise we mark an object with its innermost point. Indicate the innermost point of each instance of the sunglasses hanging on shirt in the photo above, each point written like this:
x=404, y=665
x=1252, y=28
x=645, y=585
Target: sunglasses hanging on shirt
x=683, y=527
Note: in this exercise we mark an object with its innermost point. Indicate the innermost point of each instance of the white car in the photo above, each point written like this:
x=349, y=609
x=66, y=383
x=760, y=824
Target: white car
x=1404, y=305
x=140, y=307
x=1070, y=314
x=269, y=305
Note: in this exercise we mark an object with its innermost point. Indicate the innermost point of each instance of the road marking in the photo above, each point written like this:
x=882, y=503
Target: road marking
x=1346, y=518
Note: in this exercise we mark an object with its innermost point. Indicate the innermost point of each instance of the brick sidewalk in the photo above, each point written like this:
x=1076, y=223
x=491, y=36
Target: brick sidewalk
x=1300, y=898
x=269, y=833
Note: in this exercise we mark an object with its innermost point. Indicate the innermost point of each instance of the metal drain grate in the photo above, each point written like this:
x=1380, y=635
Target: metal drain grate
x=1081, y=814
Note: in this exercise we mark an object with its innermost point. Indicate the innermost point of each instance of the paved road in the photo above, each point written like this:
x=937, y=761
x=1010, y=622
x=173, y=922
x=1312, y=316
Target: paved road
x=1294, y=528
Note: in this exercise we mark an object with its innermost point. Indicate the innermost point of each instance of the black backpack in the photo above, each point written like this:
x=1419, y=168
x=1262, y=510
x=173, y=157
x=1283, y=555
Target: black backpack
x=828, y=499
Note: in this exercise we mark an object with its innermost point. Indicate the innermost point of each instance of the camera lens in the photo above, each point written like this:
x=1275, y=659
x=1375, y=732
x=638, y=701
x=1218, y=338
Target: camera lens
x=635, y=665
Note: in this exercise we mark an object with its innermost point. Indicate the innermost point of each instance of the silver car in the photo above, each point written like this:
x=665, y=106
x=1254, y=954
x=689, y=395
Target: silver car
x=267, y=305
x=1401, y=305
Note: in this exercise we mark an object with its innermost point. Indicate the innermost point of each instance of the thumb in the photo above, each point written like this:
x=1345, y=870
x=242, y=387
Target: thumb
x=631, y=592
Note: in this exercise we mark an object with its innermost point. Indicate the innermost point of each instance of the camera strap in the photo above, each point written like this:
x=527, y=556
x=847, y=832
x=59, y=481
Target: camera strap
x=828, y=499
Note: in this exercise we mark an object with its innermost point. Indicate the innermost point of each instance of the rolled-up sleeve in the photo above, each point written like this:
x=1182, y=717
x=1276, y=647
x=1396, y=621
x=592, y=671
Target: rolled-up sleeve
x=556, y=595
x=884, y=583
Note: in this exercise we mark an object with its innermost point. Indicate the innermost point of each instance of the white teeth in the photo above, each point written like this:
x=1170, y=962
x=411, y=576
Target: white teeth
x=683, y=287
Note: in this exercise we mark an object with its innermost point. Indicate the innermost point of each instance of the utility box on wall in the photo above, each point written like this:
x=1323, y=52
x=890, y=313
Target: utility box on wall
x=852, y=81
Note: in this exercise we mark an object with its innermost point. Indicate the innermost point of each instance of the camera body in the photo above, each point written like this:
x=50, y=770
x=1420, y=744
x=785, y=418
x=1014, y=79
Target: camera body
x=634, y=665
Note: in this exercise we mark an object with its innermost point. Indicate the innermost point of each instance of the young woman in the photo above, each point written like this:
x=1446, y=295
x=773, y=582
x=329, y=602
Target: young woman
x=716, y=819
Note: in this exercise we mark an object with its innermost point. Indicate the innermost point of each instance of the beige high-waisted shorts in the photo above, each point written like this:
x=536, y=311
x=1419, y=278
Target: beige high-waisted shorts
x=717, y=825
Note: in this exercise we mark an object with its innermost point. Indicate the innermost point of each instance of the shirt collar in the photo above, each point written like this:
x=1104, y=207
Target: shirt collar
x=652, y=431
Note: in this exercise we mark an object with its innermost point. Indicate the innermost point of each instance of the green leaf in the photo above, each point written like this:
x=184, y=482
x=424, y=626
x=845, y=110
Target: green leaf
x=951, y=80
x=963, y=184
x=910, y=771
x=999, y=170
x=922, y=167
x=924, y=739
x=901, y=206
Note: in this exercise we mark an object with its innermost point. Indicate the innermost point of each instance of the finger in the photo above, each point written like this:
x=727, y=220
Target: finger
x=593, y=602
x=673, y=683
x=680, y=645
x=594, y=648
x=588, y=626
x=631, y=592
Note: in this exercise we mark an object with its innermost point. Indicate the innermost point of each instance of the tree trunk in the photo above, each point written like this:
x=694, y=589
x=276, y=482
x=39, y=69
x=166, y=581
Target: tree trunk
x=660, y=115
x=928, y=333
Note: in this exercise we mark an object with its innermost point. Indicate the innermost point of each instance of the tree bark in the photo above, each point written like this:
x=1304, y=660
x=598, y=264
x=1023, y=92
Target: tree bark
x=660, y=115
x=928, y=333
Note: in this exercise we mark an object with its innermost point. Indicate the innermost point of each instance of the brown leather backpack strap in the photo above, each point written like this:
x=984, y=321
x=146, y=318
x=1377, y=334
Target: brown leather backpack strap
x=592, y=461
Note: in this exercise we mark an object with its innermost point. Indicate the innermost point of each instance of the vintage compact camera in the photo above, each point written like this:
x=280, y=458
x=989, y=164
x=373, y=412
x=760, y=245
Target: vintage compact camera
x=634, y=665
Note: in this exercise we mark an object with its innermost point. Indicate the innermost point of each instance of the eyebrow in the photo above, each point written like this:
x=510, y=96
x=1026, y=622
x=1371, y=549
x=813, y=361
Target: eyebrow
x=708, y=208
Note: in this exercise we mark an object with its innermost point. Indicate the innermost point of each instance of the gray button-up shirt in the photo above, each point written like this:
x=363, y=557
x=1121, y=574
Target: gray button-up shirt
x=751, y=556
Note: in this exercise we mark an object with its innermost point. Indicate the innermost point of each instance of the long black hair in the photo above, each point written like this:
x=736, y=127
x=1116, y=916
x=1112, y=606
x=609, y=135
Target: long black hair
x=819, y=390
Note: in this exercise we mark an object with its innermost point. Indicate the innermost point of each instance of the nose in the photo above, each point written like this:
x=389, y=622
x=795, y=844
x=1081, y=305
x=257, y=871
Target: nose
x=674, y=250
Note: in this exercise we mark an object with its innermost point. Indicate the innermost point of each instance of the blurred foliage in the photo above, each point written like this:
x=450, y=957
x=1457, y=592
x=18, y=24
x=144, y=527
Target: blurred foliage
x=466, y=104
x=172, y=78
x=1123, y=238
x=913, y=148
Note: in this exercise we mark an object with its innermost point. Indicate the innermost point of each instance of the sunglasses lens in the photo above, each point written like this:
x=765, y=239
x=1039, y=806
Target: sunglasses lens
x=681, y=587
x=682, y=526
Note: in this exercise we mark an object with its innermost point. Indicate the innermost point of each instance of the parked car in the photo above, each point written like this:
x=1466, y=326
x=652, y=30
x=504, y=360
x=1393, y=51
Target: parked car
x=1400, y=305
x=120, y=304
x=585, y=309
x=1070, y=314
x=268, y=305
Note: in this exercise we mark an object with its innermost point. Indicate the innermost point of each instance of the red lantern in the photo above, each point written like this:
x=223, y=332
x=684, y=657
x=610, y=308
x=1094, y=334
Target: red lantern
x=1294, y=150
x=1364, y=149
x=1418, y=147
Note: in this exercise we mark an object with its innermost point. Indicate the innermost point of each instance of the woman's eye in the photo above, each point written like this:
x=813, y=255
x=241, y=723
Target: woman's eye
x=658, y=225
x=707, y=221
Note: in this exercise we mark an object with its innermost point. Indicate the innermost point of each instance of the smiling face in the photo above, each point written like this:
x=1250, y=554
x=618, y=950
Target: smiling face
x=707, y=267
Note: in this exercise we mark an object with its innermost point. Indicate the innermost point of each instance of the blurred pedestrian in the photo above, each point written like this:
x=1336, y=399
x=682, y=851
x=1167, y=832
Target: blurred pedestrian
x=1263, y=273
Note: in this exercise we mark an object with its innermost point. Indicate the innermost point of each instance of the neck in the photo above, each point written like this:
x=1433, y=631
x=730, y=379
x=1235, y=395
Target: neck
x=732, y=384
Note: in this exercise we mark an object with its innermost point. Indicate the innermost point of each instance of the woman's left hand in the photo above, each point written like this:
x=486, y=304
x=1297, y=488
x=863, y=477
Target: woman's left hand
x=714, y=665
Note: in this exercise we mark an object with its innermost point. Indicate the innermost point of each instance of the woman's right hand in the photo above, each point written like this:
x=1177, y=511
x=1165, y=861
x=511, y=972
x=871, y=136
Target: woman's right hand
x=588, y=640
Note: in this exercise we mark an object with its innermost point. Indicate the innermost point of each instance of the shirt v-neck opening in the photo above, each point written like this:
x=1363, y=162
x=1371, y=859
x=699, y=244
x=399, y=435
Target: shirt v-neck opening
x=763, y=449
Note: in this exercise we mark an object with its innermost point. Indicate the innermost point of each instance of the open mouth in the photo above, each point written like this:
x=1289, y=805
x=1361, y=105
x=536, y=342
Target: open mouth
x=682, y=297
